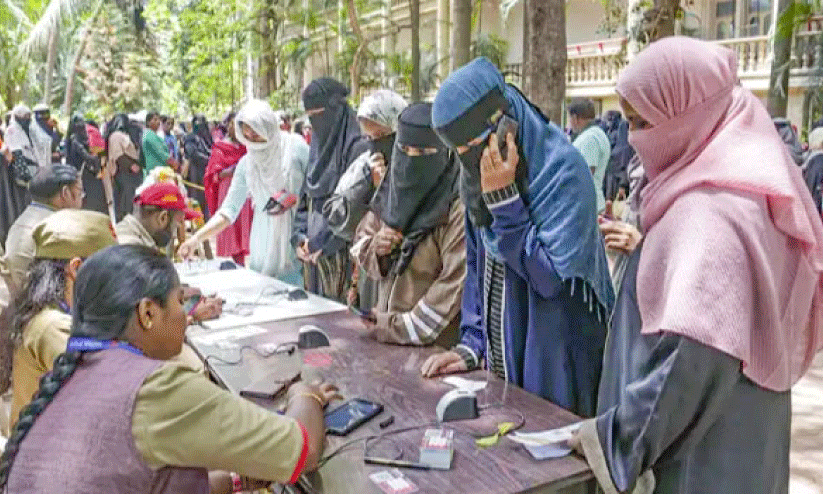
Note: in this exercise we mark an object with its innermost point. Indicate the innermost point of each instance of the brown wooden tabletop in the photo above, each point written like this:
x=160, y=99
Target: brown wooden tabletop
x=390, y=375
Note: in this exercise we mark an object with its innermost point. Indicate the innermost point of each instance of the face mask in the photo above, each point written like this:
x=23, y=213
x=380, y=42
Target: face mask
x=384, y=146
x=164, y=236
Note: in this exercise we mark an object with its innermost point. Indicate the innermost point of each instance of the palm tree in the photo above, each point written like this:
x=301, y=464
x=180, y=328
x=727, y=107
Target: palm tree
x=44, y=35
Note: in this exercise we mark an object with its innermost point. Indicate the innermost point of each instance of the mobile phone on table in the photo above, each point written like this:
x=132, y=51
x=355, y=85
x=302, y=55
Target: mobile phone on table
x=505, y=126
x=351, y=415
x=268, y=388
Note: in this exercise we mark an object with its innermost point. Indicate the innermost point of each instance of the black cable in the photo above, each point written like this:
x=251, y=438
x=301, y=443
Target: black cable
x=292, y=346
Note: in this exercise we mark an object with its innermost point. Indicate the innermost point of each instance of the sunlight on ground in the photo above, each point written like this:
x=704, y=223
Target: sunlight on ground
x=807, y=432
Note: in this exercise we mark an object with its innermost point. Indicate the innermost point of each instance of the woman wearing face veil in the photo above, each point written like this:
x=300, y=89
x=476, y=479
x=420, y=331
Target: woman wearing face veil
x=273, y=166
x=377, y=116
x=537, y=290
x=723, y=309
x=415, y=244
x=29, y=145
x=79, y=156
x=335, y=144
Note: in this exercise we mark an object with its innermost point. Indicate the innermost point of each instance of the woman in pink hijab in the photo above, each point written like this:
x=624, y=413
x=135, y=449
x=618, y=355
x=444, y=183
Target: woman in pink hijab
x=727, y=312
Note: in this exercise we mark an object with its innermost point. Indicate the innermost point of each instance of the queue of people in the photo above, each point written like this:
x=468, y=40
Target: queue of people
x=675, y=327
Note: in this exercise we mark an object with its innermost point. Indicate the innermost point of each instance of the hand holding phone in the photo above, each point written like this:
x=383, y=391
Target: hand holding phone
x=505, y=126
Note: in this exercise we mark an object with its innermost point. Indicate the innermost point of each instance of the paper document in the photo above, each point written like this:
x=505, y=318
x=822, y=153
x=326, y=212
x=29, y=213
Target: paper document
x=463, y=383
x=547, y=437
x=547, y=444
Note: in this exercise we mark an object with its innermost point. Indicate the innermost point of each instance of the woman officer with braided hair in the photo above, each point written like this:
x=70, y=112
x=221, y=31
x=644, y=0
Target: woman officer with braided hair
x=117, y=416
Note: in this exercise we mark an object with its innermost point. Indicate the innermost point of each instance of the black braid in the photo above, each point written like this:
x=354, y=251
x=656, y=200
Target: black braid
x=50, y=384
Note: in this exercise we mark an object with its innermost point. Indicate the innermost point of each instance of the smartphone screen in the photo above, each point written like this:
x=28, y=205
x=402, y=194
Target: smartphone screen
x=350, y=415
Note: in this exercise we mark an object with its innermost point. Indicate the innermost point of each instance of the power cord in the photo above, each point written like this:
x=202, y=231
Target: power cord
x=288, y=348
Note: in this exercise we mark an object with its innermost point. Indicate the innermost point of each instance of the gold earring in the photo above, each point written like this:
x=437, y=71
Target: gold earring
x=149, y=325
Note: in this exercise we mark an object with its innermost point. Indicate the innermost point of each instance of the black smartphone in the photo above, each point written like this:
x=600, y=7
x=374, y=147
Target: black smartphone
x=268, y=388
x=506, y=125
x=351, y=415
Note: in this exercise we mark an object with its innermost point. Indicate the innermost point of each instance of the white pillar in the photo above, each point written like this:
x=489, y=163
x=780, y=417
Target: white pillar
x=739, y=17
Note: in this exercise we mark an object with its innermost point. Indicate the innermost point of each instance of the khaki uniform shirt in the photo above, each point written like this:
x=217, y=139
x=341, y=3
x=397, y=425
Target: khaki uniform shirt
x=44, y=338
x=20, y=246
x=423, y=303
x=131, y=231
x=182, y=419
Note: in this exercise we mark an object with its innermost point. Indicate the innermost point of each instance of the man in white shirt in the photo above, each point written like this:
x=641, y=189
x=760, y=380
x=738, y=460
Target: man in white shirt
x=592, y=143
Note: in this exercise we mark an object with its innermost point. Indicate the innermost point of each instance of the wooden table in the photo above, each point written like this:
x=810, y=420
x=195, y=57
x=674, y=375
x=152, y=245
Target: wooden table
x=391, y=376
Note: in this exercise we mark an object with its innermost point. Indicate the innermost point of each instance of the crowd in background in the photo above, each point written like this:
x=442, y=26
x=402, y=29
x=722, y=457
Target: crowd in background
x=657, y=271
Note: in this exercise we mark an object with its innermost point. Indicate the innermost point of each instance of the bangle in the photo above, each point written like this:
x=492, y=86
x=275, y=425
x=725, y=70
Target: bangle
x=236, y=483
x=316, y=397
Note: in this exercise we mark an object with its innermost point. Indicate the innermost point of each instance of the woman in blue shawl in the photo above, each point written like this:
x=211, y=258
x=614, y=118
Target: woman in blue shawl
x=537, y=291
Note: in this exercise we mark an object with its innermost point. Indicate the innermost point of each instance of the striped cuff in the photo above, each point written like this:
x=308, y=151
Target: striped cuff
x=304, y=453
x=468, y=355
x=502, y=196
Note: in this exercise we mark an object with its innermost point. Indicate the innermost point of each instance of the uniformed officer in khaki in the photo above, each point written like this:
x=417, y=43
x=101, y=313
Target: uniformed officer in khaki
x=66, y=237
x=52, y=188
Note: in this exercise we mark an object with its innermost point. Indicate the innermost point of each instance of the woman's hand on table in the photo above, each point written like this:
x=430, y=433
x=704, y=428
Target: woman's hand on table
x=187, y=248
x=208, y=308
x=322, y=393
x=448, y=362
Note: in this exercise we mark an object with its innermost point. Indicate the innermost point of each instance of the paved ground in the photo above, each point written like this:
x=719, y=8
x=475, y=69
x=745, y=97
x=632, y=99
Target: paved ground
x=807, y=432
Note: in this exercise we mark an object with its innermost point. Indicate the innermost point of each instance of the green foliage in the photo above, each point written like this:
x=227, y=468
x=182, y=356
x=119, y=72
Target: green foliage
x=796, y=14
x=116, y=74
x=492, y=47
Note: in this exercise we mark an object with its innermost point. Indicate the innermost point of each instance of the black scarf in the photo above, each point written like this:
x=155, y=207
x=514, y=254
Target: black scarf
x=384, y=146
x=473, y=123
x=336, y=138
x=421, y=189
x=77, y=137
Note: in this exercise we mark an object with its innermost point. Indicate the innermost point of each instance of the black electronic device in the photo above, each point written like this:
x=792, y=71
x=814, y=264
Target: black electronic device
x=351, y=415
x=310, y=336
x=505, y=126
x=268, y=388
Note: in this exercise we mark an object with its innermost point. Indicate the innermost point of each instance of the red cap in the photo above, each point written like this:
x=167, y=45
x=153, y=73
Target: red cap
x=165, y=196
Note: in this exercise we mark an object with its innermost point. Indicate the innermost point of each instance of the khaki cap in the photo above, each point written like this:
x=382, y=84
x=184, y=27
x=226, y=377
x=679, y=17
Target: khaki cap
x=71, y=233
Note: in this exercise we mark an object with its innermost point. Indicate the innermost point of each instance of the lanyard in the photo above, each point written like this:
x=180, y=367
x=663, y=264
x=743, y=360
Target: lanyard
x=83, y=344
x=64, y=307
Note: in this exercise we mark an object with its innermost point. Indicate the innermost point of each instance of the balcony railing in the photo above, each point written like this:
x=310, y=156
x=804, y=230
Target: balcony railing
x=753, y=57
x=598, y=64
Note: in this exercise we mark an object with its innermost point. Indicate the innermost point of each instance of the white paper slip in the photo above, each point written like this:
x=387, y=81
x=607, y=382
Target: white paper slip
x=558, y=436
x=463, y=383
x=548, y=451
x=218, y=337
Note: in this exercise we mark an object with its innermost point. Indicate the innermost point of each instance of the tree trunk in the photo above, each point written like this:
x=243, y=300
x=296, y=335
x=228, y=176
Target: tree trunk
x=781, y=63
x=461, y=33
x=667, y=13
x=265, y=76
x=546, y=67
x=524, y=62
x=51, y=61
x=414, y=12
x=354, y=70
x=78, y=56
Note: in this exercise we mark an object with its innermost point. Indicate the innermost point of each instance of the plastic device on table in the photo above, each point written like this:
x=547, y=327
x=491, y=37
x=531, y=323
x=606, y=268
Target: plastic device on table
x=457, y=404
